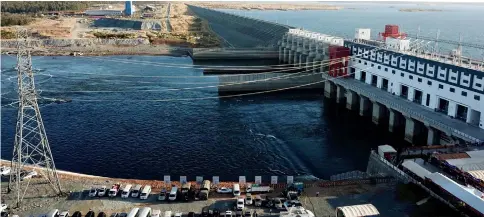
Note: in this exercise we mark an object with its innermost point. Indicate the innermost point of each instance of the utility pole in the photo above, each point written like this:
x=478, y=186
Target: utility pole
x=31, y=150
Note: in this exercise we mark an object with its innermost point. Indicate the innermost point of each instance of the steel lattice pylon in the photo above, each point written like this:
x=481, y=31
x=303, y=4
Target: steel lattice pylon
x=31, y=148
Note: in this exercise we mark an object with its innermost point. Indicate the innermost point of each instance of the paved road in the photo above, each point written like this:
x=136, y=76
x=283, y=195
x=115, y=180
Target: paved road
x=437, y=120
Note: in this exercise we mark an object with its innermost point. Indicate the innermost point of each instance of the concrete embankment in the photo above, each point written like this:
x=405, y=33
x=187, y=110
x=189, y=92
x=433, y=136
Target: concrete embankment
x=12, y=43
x=239, y=31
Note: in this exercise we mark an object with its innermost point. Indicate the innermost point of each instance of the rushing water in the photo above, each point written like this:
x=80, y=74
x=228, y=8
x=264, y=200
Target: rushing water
x=294, y=133
x=131, y=133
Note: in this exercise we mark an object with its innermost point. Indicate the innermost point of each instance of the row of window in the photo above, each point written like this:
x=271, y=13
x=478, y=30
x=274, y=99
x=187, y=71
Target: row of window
x=440, y=75
x=441, y=86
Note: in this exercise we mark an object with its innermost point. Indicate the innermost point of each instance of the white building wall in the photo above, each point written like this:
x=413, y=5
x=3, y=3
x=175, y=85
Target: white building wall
x=435, y=88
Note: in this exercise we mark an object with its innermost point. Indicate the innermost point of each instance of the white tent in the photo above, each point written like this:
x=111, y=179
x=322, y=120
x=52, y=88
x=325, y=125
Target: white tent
x=357, y=211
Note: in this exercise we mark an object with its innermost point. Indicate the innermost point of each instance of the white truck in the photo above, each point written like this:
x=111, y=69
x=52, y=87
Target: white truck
x=259, y=189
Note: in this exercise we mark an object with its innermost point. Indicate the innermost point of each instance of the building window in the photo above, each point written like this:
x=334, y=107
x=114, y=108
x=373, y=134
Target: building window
x=372, y=65
x=478, y=85
x=379, y=67
x=453, y=78
x=441, y=86
x=411, y=77
x=366, y=63
x=429, y=82
x=359, y=61
x=419, y=79
x=393, y=71
x=401, y=74
x=465, y=81
x=464, y=93
x=420, y=69
x=476, y=97
x=394, y=62
x=452, y=89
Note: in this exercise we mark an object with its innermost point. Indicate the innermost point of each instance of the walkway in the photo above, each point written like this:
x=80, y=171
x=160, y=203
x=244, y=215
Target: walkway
x=436, y=120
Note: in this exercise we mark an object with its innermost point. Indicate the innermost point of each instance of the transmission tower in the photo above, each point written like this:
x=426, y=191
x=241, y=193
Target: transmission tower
x=31, y=150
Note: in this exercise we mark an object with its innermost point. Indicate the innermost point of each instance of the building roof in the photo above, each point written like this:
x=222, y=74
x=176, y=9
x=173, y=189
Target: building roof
x=479, y=174
x=452, y=156
x=464, y=161
x=359, y=210
x=476, y=154
x=386, y=148
x=459, y=191
x=416, y=168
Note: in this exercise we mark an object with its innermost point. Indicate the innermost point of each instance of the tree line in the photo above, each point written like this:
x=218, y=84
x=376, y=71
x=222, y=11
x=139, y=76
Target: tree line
x=15, y=19
x=36, y=7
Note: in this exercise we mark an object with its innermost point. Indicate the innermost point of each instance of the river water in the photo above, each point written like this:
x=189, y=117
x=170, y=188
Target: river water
x=144, y=126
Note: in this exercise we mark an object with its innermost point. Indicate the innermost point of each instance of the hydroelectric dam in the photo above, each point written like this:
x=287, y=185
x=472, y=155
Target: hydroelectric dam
x=435, y=99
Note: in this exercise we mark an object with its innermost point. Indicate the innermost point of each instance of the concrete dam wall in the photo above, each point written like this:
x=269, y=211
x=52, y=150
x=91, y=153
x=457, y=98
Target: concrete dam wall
x=242, y=32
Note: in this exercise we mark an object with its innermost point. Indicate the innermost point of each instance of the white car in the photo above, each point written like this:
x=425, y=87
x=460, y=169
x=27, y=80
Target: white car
x=5, y=170
x=240, y=204
x=93, y=192
x=29, y=175
x=278, y=203
x=64, y=214
x=224, y=190
x=101, y=191
x=228, y=213
x=248, y=199
x=3, y=207
x=178, y=214
x=156, y=213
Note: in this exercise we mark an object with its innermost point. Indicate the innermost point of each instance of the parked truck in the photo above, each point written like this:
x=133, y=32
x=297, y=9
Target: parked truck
x=258, y=189
x=204, y=190
x=114, y=190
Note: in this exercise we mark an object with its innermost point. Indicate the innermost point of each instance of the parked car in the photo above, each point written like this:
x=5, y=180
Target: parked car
x=3, y=207
x=162, y=195
x=101, y=191
x=204, y=212
x=224, y=190
x=278, y=203
x=238, y=213
x=216, y=212
x=178, y=214
x=123, y=214
x=64, y=214
x=77, y=214
x=114, y=215
x=5, y=170
x=258, y=200
x=101, y=214
x=4, y=214
x=247, y=214
x=90, y=214
x=191, y=214
x=228, y=213
x=167, y=213
x=28, y=175
x=93, y=192
x=156, y=213
x=240, y=204
x=248, y=199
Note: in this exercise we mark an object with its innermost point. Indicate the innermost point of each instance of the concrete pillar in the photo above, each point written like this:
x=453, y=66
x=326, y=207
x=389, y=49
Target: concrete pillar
x=351, y=100
x=364, y=105
x=452, y=109
x=286, y=55
x=340, y=94
x=433, y=136
x=411, y=93
x=281, y=54
x=378, y=113
x=410, y=129
x=379, y=82
x=394, y=120
x=329, y=89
